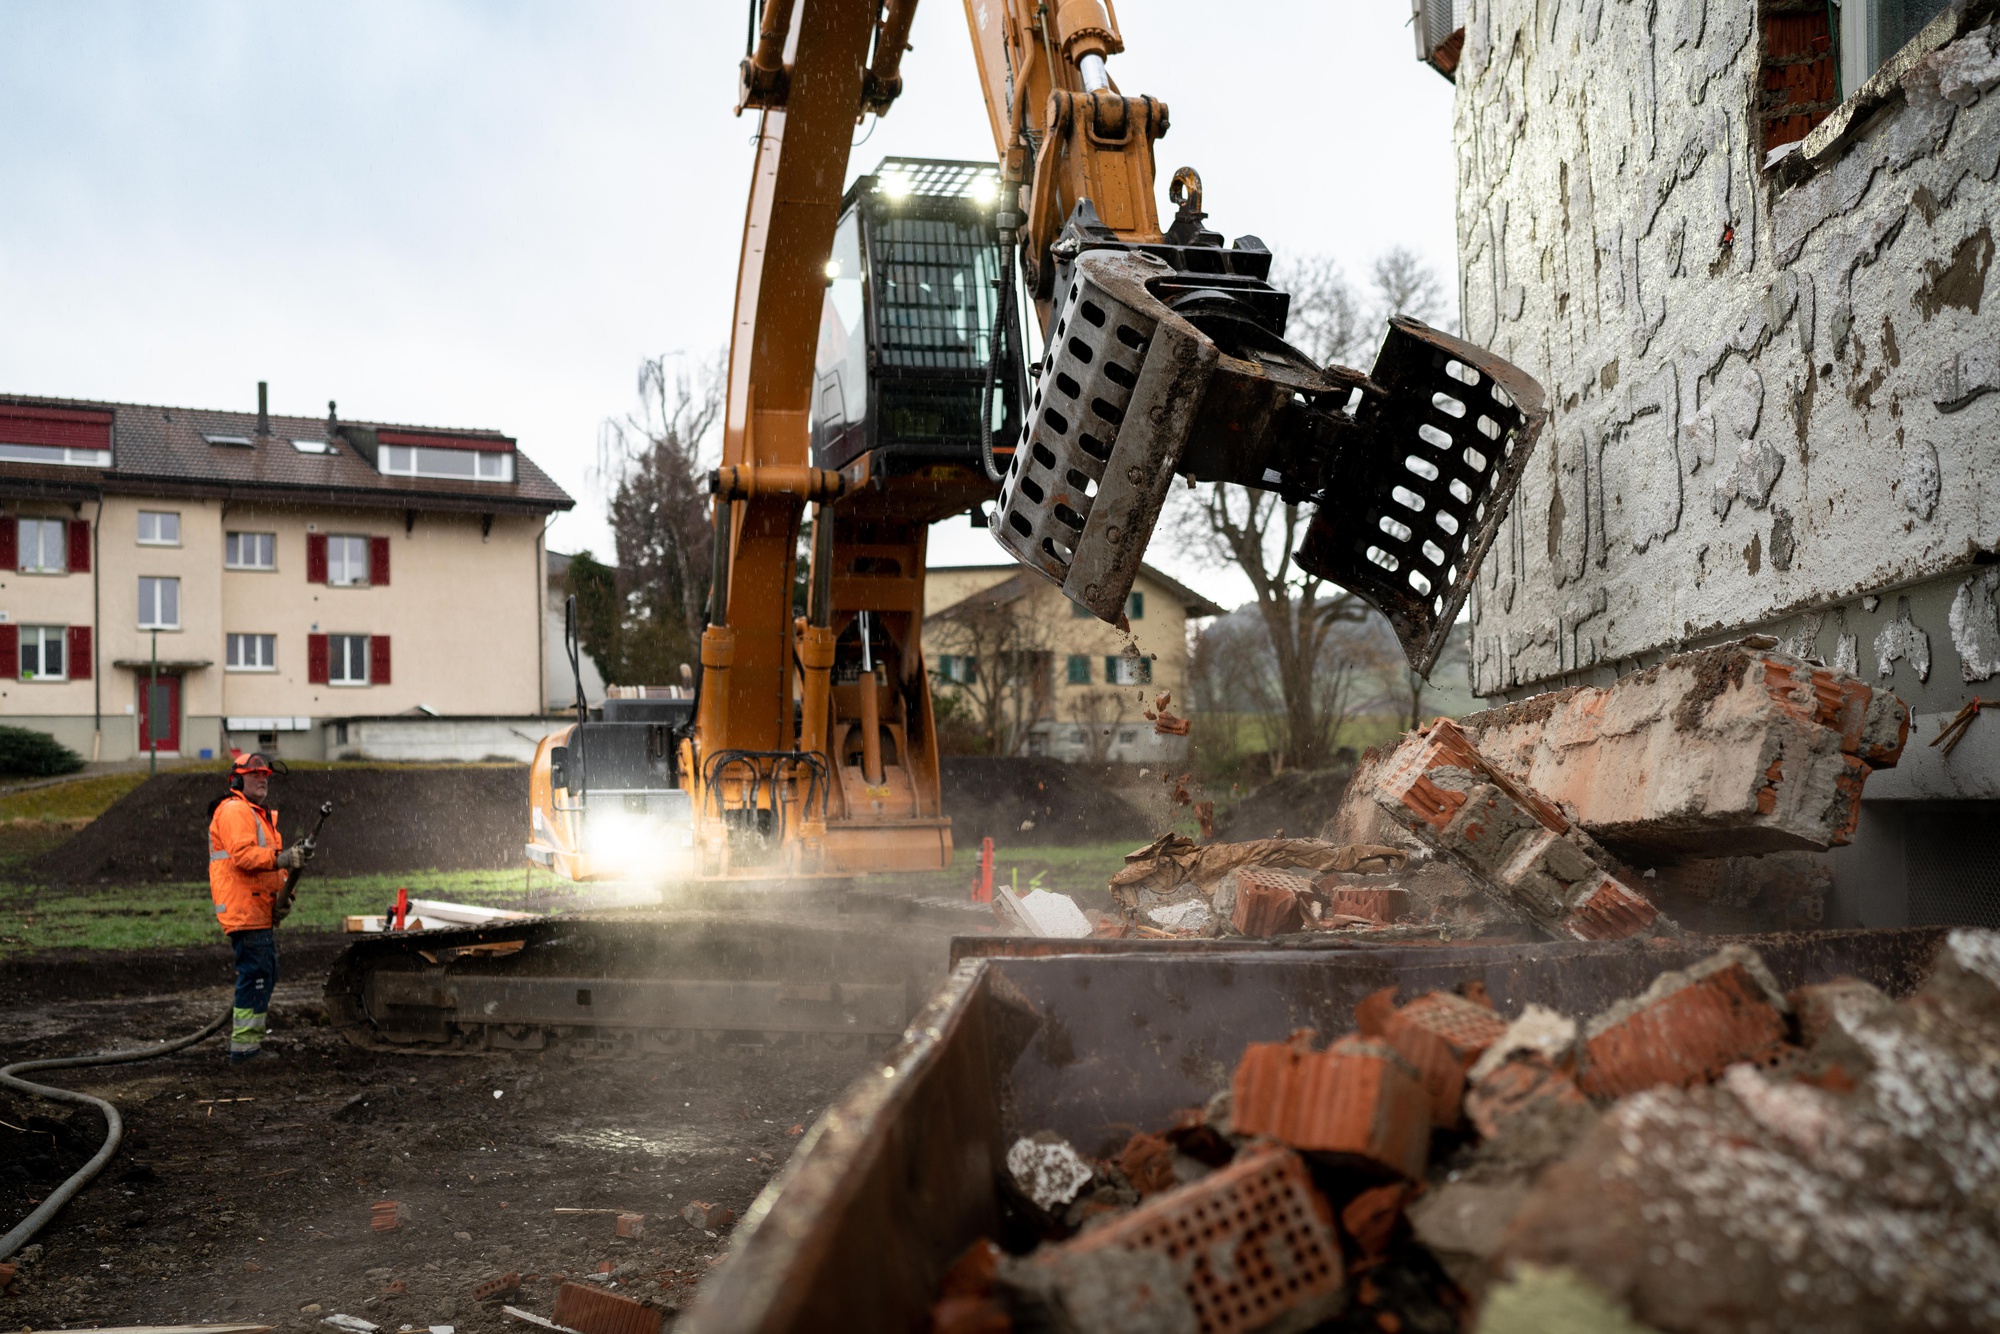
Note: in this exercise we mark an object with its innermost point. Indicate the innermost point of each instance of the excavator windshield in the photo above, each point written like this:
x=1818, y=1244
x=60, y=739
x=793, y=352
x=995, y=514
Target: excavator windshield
x=914, y=276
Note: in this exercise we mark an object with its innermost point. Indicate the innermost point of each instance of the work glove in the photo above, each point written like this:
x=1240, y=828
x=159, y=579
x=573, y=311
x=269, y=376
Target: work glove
x=306, y=848
x=291, y=859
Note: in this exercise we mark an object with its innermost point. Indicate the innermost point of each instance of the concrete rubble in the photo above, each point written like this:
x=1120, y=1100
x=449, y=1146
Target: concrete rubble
x=1711, y=1154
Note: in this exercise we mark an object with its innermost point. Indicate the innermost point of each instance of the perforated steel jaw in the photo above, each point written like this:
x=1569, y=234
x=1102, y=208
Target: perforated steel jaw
x=1416, y=478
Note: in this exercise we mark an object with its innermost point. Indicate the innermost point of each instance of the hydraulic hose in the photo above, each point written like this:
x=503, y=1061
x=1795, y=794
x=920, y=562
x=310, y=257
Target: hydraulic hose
x=113, y=1123
x=998, y=365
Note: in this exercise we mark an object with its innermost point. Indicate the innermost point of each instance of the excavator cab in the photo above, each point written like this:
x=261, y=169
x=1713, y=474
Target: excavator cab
x=906, y=332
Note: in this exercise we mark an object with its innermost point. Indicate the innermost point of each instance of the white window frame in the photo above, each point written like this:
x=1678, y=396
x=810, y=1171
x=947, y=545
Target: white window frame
x=488, y=465
x=158, y=582
x=336, y=663
x=235, y=541
x=267, y=649
x=58, y=454
x=360, y=581
x=157, y=516
x=41, y=528
x=42, y=636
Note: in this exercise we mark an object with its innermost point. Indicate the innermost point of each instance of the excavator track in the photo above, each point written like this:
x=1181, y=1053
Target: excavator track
x=632, y=985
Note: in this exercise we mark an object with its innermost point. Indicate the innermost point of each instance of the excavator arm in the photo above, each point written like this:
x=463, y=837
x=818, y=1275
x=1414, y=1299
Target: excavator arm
x=1163, y=356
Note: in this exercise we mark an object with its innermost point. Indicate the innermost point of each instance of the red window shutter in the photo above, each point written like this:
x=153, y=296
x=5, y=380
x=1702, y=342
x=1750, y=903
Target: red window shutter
x=316, y=574
x=79, y=546
x=316, y=672
x=378, y=561
x=378, y=660
x=79, y=653
x=10, y=542
x=10, y=650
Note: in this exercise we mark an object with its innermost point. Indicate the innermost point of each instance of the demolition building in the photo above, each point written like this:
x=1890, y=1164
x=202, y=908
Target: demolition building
x=1745, y=248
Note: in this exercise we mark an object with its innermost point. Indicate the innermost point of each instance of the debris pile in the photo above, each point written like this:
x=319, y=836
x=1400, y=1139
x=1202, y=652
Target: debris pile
x=1576, y=815
x=1711, y=1154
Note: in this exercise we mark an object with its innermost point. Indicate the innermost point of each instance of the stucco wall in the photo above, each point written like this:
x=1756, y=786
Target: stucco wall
x=1769, y=402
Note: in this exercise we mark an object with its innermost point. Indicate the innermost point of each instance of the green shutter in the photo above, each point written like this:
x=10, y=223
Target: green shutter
x=1145, y=669
x=1079, y=669
x=1135, y=607
x=1078, y=612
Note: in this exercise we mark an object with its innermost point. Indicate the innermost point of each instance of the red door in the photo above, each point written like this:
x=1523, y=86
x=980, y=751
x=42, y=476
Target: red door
x=161, y=702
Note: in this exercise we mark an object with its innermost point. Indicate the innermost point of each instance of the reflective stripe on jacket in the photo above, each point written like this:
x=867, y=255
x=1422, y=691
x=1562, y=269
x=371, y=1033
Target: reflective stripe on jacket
x=243, y=845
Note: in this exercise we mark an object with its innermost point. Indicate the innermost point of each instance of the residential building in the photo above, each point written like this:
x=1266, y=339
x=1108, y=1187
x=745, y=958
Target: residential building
x=1026, y=661
x=186, y=580
x=1745, y=250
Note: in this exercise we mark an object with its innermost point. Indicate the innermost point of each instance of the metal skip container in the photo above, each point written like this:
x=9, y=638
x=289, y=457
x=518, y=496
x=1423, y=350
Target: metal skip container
x=1097, y=1038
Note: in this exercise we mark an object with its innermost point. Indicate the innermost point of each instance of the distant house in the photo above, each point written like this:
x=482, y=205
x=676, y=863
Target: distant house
x=1065, y=684
x=190, y=580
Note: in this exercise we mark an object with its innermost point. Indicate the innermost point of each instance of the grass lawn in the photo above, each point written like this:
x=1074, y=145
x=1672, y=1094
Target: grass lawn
x=41, y=917
x=72, y=799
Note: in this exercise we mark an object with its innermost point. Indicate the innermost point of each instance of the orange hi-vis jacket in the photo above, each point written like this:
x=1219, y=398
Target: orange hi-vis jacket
x=243, y=845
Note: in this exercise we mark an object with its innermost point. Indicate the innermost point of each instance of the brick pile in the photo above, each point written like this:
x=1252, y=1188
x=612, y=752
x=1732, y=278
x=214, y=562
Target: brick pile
x=1711, y=1154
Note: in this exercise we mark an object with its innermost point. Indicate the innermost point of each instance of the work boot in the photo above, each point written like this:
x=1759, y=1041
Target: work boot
x=254, y=1054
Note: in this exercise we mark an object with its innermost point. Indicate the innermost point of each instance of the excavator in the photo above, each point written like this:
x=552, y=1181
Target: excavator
x=879, y=382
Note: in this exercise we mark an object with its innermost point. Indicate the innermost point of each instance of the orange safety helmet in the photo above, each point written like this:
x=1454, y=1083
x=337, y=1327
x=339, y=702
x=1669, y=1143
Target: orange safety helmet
x=256, y=762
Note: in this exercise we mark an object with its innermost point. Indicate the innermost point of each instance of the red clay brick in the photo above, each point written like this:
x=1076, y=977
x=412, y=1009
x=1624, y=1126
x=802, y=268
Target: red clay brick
x=1382, y=905
x=1441, y=1035
x=498, y=1289
x=1359, y=1096
x=1525, y=1085
x=1510, y=838
x=1254, y=1239
x=1148, y=1163
x=589, y=1309
x=1687, y=1028
x=1269, y=903
x=1370, y=1218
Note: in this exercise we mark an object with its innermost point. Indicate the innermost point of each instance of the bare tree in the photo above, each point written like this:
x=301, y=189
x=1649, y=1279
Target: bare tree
x=1098, y=714
x=651, y=460
x=1405, y=285
x=1316, y=676
x=1001, y=664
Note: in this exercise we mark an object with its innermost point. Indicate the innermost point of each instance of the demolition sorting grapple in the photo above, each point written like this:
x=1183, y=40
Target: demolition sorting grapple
x=1169, y=360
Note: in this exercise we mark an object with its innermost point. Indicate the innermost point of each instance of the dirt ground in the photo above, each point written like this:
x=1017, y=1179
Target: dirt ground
x=247, y=1193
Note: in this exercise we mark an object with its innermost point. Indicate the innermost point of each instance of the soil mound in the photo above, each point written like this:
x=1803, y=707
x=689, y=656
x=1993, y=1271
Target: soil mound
x=995, y=796
x=385, y=822
x=1298, y=804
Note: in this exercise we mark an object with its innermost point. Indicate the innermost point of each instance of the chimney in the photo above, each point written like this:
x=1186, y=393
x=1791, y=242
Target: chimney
x=263, y=408
x=332, y=420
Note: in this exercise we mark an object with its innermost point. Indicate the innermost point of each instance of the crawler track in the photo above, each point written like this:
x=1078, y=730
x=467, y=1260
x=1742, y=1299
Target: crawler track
x=628, y=985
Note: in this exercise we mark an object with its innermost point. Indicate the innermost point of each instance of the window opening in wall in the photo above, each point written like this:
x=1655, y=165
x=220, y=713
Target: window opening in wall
x=347, y=660
x=159, y=603
x=1124, y=671
x=1079, y=669
x=340, y=734
x=1869, y=32
x=958, y=669
x=1797, y=82
x=346, y=559
x=252, y=653
x=44, y=546
x=42, y=655
x=478, y=465
x=1135, y=607
x=250, y=551
x=159, y=528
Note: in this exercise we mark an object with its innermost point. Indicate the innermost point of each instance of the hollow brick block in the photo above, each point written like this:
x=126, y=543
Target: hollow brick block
x=1513, y=840
x=1687, y=1028
x=1269, y=903
x=1360, y=1096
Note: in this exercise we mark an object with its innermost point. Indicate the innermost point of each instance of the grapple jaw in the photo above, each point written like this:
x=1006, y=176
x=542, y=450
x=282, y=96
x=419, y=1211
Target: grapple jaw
x=1411, y=467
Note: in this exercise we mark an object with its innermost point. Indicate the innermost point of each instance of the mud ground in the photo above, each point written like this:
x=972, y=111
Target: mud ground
x=246, y=1193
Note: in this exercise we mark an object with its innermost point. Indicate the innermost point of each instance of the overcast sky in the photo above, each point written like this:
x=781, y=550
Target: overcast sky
x=486, y=214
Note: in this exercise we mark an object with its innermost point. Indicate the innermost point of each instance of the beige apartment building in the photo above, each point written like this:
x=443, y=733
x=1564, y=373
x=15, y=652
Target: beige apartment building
x=189, y=581
x=1076, y=686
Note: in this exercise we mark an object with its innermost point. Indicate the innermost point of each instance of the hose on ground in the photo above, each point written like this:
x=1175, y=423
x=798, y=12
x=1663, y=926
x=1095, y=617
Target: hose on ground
x=113, y=1123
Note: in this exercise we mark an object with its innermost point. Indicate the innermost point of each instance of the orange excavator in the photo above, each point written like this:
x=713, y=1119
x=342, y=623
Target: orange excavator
x=879, y=381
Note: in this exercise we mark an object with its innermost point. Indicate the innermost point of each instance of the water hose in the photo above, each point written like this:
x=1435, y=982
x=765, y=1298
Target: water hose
x=113, y=1123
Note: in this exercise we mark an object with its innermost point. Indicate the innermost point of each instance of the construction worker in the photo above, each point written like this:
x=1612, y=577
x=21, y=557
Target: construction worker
x=247, y=862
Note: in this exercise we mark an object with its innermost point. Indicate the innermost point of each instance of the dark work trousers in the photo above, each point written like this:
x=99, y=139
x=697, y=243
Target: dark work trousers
x=256, y=975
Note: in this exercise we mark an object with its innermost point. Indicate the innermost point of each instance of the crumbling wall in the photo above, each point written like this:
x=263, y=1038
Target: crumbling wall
x=1772, y=389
